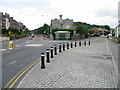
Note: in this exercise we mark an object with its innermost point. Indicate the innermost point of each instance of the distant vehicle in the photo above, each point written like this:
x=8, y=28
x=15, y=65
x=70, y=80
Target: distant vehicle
x=102, y=35
x=32, y=36
x=109, y=36
x=96, y=35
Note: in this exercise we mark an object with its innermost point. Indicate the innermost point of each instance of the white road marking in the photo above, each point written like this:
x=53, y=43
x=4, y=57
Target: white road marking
x=34, y=45
x=12, y=62
x=17, y=45
x=2, y=49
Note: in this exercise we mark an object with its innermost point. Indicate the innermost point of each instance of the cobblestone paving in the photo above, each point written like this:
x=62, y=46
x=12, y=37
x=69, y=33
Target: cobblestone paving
x=79, y=67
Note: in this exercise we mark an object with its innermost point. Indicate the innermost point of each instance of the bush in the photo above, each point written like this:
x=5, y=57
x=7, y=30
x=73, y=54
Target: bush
x=113, y=34
x=118, y=40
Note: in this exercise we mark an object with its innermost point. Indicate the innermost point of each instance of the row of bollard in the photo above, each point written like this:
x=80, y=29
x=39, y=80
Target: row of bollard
x=53, y=51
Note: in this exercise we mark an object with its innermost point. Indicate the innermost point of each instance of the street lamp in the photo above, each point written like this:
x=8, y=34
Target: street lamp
x=48, y=29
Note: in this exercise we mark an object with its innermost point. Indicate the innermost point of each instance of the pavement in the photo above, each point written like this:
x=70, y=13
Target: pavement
x=79, y=67
x=25, y=52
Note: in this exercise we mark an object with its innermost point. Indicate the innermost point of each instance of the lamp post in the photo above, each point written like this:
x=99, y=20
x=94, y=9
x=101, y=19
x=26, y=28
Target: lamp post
x=47, y=22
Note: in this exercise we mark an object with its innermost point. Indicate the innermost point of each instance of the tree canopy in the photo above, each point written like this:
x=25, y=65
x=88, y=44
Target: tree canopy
x=91, y=26
x=43, y=30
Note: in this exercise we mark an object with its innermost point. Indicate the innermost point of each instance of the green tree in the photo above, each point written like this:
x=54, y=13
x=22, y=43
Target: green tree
x=43, y=30
x=79, y=29
x=46, y=28
x=82, y=30
x=107, y=27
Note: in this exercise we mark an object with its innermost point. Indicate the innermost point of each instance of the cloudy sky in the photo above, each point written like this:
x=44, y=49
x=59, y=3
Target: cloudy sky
x=34, y=13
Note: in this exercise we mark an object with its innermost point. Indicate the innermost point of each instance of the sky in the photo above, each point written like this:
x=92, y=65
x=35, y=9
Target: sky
x=34, y=13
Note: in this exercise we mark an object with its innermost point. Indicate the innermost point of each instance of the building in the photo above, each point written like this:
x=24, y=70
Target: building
x=100, y=31
x=62, y=23
x=0, y=20
x=117, y=31
x=7, y=22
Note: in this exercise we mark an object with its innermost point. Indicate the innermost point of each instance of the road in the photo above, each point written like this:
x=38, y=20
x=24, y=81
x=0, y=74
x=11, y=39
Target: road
x=26, y=51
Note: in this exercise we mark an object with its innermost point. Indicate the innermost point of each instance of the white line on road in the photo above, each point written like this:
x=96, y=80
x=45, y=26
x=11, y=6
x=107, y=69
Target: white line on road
x=17, y=45
x=36, y=45
x=12, y=62
x=2, y=49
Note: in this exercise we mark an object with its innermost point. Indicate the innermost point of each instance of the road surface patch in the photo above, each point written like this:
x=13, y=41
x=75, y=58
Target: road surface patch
x=13, y=81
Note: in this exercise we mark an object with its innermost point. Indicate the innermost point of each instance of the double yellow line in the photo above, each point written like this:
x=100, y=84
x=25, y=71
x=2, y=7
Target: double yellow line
x=13, y=81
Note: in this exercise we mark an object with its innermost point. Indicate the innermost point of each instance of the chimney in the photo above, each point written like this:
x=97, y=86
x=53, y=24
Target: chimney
x=60, y=17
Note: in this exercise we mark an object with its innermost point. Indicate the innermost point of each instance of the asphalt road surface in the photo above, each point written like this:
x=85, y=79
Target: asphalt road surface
x=25, y=52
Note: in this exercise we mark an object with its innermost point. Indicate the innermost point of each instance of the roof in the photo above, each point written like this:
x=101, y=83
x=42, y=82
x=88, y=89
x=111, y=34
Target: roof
x=62, y=32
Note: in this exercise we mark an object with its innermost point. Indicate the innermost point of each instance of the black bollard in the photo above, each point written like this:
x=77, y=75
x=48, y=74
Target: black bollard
x=67, y=45
x=89, y=42
x=63, y=46
x=75, y=44
x=60, y=48
x=42, y=61
x=71, y=45
x=51, y=52
x=47, y=56
x=55, y=52
x=79, y=43
x=85, y=43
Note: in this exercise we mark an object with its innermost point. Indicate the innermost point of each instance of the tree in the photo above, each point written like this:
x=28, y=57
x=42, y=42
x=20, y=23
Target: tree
x=107, y=27
x=82, y=30
x=46, y=28
x=79, y=29
x=43, y=30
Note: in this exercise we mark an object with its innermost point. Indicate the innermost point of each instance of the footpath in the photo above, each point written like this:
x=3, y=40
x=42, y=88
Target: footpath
x=79, y=67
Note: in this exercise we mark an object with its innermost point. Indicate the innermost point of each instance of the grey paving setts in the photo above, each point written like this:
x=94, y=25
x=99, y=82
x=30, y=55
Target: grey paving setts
x=79, y=67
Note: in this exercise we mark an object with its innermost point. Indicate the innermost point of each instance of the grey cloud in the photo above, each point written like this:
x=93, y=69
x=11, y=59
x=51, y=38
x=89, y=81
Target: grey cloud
x=24, y=1
x=107, y=12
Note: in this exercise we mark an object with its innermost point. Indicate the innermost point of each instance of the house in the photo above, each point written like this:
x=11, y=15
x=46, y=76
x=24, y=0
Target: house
x=6, y=22
x=117, y=31
x=100, y=31
x=61, y=24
